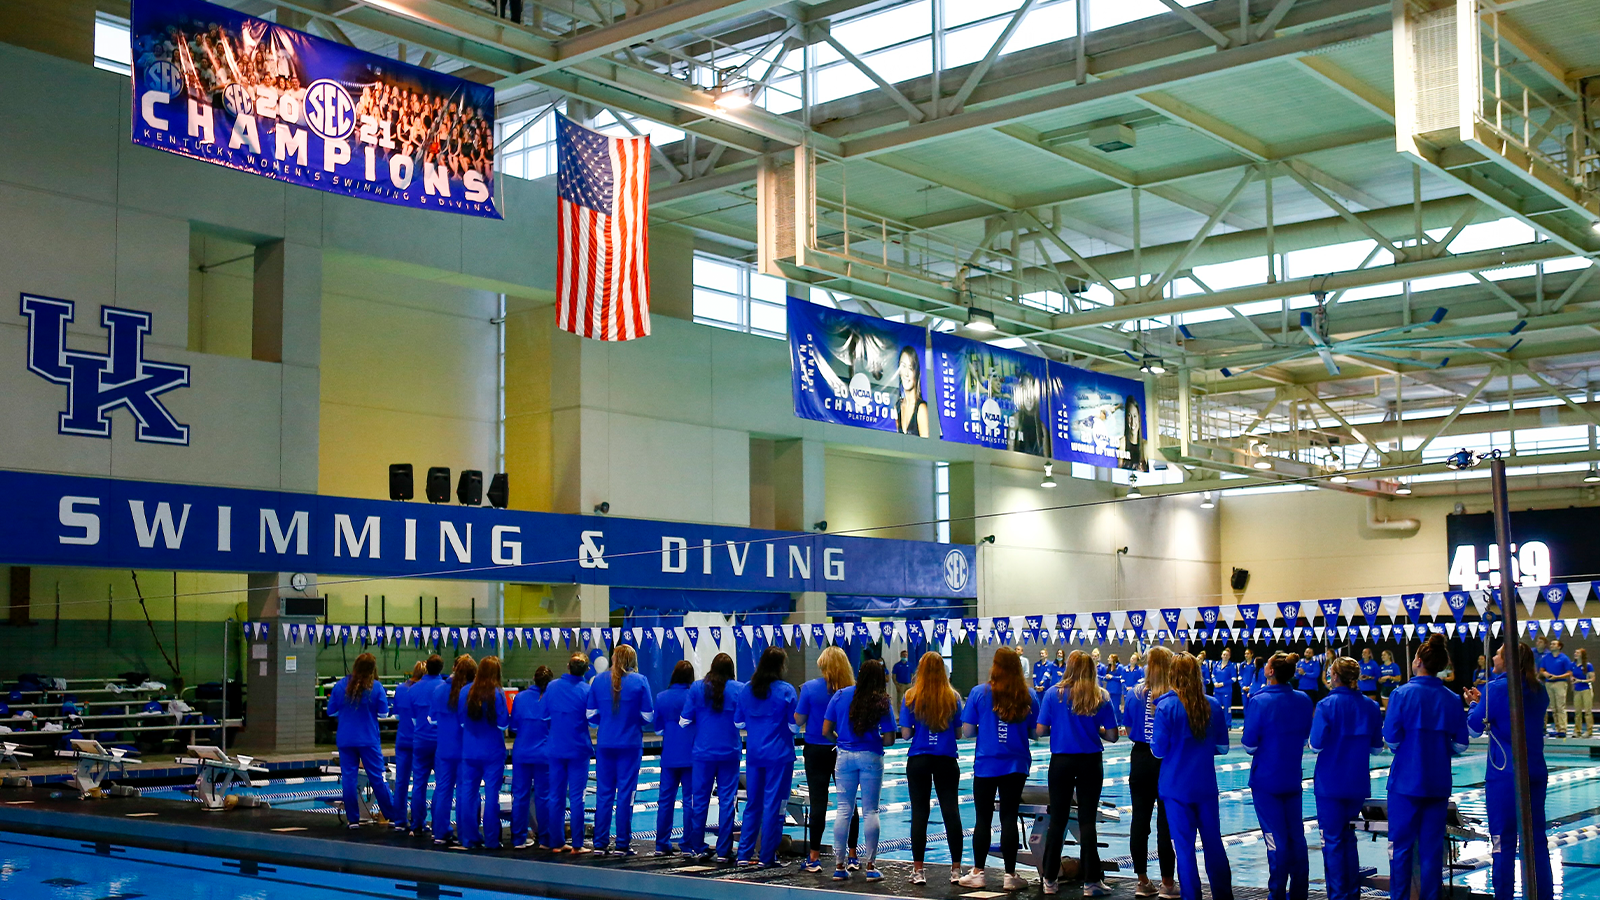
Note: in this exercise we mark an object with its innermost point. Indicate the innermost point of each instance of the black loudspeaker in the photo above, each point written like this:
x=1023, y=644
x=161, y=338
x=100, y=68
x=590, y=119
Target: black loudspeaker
x=499, y=491
x=438, y=486
x=469, y=490
x=400, y=481
x=1239, y=579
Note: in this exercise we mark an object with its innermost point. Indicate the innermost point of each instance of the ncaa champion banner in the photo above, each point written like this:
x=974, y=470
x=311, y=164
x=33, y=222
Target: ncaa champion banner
x=990, y=396
x=215, y=85
x=1096, y=418
x=858, y=370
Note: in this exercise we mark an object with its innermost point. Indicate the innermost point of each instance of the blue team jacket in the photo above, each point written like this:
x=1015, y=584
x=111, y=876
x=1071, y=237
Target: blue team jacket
x=1345, y=730
x=717, y=737
x=566, y=702
x=1188, y=767
x=484, y=738
x=448, y=719
x=529, y=722
x=403, y=713
x=621, y=725
x=768, y=722
x=1276, y=726
x=677, y=739
x=1492, y=714
x=358, y=718
x=1424, y=727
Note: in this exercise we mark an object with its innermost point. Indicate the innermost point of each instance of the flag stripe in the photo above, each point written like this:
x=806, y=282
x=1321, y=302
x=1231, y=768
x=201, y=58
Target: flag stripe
x=603, y=250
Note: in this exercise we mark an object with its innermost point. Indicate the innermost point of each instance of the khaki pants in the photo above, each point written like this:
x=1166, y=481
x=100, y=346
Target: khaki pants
x=1583, y=702
x=1558, y=703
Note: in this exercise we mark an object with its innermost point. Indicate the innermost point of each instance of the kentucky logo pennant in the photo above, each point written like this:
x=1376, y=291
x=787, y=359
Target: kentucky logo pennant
x=453, y=636
x=1102, y=621
x=1412, y=604
x=344, y=634
x=1330, y=611
x=1585, y=627
x=914, y=632
x=1034, y=622
x=1171, y=617
x=970, y=626
x=1250, y=612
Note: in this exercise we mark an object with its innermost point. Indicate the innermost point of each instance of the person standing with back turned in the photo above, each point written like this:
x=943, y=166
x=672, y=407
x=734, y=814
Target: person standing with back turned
x=1276, y=727
x=710, y=707
x=530, y=768
x=821, y=754
x=1077, y=716
x=1002, y=713
x=1424, y=727
x=424, y=741
x=404, y=750
x=765, y=710
x=566, y=705
x=357, y=700
x=443, y=709
x=1346, y=729
x=862, y=721
x=1145, y=774
x=1491, y=712
x=677, y=755
x=621, y=706
x=930, y=717
x=1191, y=730
x=484, y=717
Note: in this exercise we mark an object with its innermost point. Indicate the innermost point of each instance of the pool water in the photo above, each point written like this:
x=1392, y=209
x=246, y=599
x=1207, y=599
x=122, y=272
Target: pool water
x=1573, y=805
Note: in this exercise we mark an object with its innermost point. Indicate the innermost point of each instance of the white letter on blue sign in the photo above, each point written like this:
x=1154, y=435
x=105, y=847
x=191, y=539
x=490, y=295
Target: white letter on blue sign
x=833, y=564
x=674, y=547
x=299, y=530
x=71, y=518
x=462, y=550
x=145, y=529
x=796, y=560
x=147, y=108
x=504, y=552
x=344, y=535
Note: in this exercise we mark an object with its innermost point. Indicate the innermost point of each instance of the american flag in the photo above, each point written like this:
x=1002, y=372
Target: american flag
x=603, y=243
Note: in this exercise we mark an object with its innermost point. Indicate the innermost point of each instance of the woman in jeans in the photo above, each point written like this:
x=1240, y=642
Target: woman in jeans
x=1077, y=715
x=1002, y=713
x=820, y=753
x=859, y=719
x=1145, y=772
x=930, y=717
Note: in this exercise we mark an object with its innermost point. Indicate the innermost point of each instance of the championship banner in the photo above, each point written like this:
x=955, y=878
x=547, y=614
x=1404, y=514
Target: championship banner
x=1096, y=419
x=991, y=397
x=222, y=87
x=851, y=369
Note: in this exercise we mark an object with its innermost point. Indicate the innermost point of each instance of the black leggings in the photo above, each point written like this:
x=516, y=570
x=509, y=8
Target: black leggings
x=926, y=773
x=820, y=760
x=983, y=791
x=1144, y=772
x=1080, y=774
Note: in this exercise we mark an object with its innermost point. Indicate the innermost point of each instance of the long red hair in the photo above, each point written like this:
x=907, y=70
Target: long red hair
x=1009, y=693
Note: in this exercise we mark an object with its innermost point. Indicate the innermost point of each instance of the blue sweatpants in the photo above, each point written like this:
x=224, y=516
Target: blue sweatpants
x=1199, y=823
x=723, y=775
x=530, y=792
x=478, y=802
x=1339, y=860
x=351, y=761
x=1116, y=708
x=1503, y=831
x=568, y=778
x=1288, y=861
x=616, y=780
x=667, y=798
x=421, y=768
x=1416, y=834
x=766, y=799
x=402, y=776
x=446, y=774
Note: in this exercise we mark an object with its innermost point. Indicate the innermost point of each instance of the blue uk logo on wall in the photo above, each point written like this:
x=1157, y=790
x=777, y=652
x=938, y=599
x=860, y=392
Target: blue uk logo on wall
x=98, y=383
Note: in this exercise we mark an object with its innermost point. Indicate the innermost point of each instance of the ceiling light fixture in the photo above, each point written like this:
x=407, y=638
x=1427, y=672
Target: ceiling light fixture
x=1340, y=478
x=1152, y=365
x=1403, y=489
x=1593, y=474
x=730, y=98
x=1133, y=487
x=1263, y=464
x=1206, y=502
x=1595, y=226
x=1049, y=476
x=980, y=319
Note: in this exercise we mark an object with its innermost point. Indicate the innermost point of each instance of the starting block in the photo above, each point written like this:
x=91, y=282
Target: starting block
x=1034, y=810
x=9, y=754
x=1459, y=828
x=95, y=765
x=217, y=773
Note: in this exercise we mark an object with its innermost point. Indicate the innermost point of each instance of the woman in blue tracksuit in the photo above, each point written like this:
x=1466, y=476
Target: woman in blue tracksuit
x=1345, y=730
x=1077, y=717
x=710, y=707
x=1002, y=713
x=677, y=754
x=1113, y=685
x=1190, y=731
x=621, y=706
x=861, y=719
x=424, y=741
x=484, y=718
x=1276, y=727
x=357, y=700
x=530, y=770
x=443, y=709
x=1491, y=712
x=1424, y=727
x=404, y=752
x=566, y=715
x=765, y=710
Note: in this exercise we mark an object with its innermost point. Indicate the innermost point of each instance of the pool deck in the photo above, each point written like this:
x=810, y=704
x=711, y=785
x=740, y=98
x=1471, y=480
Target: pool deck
x=262, y=838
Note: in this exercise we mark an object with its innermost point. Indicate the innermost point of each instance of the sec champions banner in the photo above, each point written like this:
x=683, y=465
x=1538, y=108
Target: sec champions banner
x=850, y=369
x=990, y=396
x=1097, y=419
x=233, y=90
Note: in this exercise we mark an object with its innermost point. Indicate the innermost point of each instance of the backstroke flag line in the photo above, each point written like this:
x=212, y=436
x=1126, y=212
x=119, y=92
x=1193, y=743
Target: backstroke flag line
x=603, y=243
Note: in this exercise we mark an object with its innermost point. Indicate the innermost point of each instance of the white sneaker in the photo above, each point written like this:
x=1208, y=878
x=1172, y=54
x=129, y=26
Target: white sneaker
x=1049, y=886
x=1097, y=889
x=918, y=877
x=1014, y=882
x=973, y=879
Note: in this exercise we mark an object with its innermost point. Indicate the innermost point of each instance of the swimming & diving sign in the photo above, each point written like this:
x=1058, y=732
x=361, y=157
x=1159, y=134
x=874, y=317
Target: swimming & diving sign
x=219, y=86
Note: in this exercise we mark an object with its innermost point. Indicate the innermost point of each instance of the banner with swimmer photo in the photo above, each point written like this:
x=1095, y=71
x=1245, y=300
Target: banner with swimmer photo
x=851, y=369
x=233, y=90
x=1096, y=418
x=990, y=396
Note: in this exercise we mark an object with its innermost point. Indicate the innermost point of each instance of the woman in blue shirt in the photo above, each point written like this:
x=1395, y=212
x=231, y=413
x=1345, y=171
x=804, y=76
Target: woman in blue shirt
x=710, y=707
x=1583, y=692
x=1113, y=684
x=530, y=773
x=1368, y=682
x=1388, y=679
x=1077, y=717
x=765, y=710
x=860, y=719
x=621, y=706
x=930, y=717
x=1345, y=729
x=821, y=755
x=1144, y=773
x=357, y=700
x=1491, y=712
x=403, y=751
x=484, y=718
x=566, y=705
x=1132, y=674
x=1002, y=712
x=677, y=754
x=424, y=741
x=1424, y=727
x=1480, y=675
x=442, y=709
x=1190, y=731
x=1276, y=727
